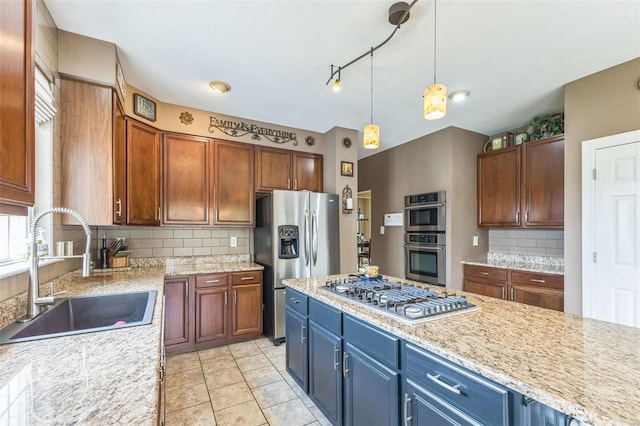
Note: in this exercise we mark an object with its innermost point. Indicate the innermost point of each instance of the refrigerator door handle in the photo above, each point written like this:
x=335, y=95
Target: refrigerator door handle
x=314, y=249
x=307, y=243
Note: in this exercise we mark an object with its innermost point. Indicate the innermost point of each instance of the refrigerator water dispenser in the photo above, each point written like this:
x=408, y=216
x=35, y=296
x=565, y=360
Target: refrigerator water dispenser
x=288, y=242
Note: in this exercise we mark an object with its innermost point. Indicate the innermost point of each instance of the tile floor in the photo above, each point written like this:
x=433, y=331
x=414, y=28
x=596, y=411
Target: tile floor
x=240, y=384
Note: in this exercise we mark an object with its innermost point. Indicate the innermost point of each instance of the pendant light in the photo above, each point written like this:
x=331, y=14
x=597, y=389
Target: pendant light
x=371, y=131
x=435, y=97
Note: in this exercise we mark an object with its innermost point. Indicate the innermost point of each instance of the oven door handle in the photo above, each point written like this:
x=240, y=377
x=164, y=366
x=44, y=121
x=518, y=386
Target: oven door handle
x=419, y=247
x=424, y=206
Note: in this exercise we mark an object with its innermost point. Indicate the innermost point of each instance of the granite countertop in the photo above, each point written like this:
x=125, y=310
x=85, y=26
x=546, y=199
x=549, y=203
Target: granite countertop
x=107, y=377
x=586, y=368
x=519, y=263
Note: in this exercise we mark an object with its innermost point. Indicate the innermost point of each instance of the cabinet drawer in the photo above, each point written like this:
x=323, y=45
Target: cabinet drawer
x=211, y=280
x=249, y=277
x=376, y=343
x=325, y=316
x=487, y=402
x=297, y=301
x=541, y=280
x=485, y=272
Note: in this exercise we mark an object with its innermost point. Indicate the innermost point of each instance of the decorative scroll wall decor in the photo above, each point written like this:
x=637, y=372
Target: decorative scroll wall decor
x=186, y=118
x=238, y=129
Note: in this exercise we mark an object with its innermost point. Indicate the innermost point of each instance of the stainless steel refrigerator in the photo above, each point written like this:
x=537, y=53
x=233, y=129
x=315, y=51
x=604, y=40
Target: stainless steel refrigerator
x=297, y=235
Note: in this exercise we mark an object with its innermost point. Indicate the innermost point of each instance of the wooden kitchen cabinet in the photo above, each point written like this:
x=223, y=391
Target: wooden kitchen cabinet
x=234, y=194
x=499, y=188
x=186, y=164
x=247, y=303
x=543, y=183
x=17, y=109
x=522, y=186
x=486, y=281
x=307, y=172
x=87, y=131
x=273, y=169
x=544, y=290
x=119, y=162
x=285, y=169
x=143, y=174
x=207, y=310
x=177, y=311
x=537, y=289
x=211, y=305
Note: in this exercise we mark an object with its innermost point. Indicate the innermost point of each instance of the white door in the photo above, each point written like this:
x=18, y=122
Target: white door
x=613, y=292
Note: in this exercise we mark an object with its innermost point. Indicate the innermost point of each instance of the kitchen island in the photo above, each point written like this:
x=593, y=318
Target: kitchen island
x=587, y=369
x=107, y=377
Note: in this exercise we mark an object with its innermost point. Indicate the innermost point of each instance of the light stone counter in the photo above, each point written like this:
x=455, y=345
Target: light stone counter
x=535, y=264
x=107, y=377
x=586, y=368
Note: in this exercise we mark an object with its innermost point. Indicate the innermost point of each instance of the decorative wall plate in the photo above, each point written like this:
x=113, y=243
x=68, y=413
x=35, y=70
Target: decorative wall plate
x=310, y=140
x=346, y=142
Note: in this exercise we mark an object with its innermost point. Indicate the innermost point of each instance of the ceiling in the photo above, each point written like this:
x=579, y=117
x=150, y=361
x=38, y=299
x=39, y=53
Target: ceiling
x=513, y=56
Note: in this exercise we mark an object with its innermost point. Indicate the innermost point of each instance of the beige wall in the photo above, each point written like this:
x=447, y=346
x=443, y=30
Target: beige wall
x=334, y=183
x=445, y=160
x=94, y=60
x=602, y=104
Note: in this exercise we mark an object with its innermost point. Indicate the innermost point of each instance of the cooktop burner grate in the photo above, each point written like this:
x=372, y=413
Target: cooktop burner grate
x=408, y=303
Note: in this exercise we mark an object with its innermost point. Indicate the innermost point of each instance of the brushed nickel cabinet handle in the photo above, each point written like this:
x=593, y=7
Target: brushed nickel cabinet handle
x=212, y=281
x=246, y=278
x=436, y=379
x=533, y=280
x=484, y=273
x=335, y=358
x=407, y=417
x=302, y=329
x=119, y=204
x=345, y=366
x=503, y=291
x=512, y=294
x=288, y=183
x=225, y=297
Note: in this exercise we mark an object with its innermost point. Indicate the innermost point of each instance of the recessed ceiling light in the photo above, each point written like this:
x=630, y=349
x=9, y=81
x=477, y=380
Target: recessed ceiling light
x=459, y=95
x=220, y=86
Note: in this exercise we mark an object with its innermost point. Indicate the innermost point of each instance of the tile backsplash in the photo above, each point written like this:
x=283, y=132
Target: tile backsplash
x=174, y=241
x=538, y=242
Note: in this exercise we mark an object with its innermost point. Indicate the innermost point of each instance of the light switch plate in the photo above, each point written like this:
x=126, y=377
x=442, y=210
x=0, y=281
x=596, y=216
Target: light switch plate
x=234, y=241
x=475, y=241
x=382, y=230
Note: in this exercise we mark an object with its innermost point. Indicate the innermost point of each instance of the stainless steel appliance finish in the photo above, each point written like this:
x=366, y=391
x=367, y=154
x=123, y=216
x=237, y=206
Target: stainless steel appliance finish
x=407, y=303
x=425, y=257
x=296, y=236
x=425, y=212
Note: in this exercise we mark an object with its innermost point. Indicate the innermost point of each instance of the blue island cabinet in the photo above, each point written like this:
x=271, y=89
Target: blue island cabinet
x=296, y=351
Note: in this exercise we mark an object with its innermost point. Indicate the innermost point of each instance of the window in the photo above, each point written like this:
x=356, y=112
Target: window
x=13, y=249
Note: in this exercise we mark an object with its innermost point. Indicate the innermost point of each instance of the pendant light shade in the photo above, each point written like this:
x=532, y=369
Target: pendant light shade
x=371, y=139
x=435, y=102
x=435, y=96
x=371, y=136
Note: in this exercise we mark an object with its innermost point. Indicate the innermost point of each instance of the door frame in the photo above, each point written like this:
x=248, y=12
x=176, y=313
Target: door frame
x=589, y=148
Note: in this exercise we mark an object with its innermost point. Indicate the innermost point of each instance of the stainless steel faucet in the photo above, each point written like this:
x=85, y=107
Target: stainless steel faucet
x=34, y=301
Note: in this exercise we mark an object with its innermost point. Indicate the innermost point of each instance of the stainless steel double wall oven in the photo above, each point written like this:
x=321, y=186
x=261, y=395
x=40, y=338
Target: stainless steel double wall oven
x=425, y=237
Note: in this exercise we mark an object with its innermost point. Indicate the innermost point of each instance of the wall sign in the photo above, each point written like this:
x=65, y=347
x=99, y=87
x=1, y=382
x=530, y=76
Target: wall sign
x=144, y=107
x=238, y=129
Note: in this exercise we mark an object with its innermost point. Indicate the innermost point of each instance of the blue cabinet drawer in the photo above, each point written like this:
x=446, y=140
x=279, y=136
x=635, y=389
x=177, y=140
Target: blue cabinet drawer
x=297, y=301
x=325, y=316
x=378, y=344
x=480, y=398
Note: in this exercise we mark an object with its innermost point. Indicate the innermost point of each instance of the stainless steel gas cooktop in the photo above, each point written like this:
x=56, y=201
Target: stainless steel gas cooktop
x=407, y=303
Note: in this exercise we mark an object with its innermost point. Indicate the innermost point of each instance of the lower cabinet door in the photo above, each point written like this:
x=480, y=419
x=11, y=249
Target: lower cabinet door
x=370, y=390
x=211, y=314
x=176, y=310
x=296, y=350
x=495, y=289
x=325, y=372
x=422, y=408
x=247, y=309
x=538, y=296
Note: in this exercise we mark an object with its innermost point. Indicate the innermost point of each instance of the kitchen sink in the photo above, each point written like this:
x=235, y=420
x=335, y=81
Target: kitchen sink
x=86, y=314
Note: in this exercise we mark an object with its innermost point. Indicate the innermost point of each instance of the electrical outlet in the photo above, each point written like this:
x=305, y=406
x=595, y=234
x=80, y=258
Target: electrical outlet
x=234, y=241
x=475, y=241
